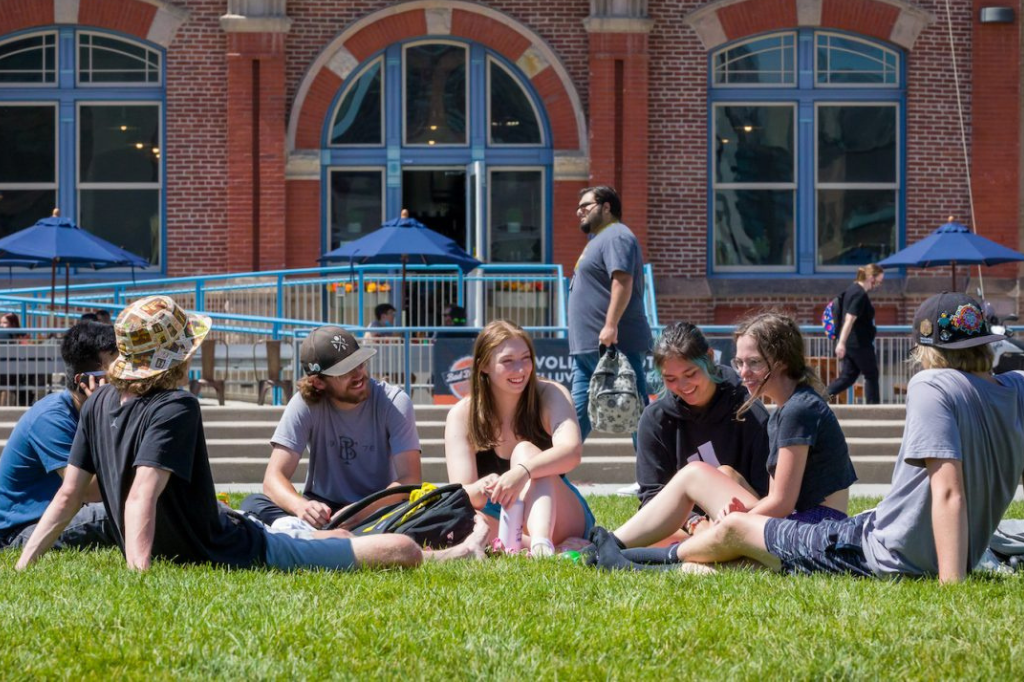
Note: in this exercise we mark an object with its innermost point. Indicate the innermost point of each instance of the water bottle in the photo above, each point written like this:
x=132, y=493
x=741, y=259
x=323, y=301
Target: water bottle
x=510, y=527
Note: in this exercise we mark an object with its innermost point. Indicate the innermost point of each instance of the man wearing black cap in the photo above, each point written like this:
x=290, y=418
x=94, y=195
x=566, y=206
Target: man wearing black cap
x=361, y=435
x=959, y=464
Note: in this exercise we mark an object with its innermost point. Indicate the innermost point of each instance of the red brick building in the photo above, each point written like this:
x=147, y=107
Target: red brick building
x=763, y=148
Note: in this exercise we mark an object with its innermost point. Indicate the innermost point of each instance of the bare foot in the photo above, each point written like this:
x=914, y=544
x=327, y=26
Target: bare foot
x=470, y=548
x=694, y=568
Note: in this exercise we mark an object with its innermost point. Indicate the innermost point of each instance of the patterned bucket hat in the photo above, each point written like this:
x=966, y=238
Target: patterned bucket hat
x=154, y=335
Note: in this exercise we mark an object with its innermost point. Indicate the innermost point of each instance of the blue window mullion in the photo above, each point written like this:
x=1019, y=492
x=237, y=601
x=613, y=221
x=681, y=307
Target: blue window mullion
x=477, y=102
x=806, y=218
x=394, y=116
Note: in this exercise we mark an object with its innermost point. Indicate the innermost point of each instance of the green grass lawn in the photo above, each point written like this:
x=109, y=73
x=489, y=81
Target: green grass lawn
x=84, y=615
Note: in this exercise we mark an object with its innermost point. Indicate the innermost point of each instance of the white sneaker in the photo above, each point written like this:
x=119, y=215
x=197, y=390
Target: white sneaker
x=631, y=490
x=542, y=548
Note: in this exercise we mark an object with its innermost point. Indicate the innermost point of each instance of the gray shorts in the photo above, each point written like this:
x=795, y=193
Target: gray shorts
x=290, y=550
x=829, y=546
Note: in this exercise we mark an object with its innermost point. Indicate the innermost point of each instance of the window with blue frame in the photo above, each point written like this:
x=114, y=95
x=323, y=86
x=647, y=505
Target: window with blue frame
x=440, y=128
x=81, y=125
x=806, y=153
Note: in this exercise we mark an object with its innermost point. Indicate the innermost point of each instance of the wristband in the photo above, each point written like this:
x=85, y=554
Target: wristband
x=528, y=474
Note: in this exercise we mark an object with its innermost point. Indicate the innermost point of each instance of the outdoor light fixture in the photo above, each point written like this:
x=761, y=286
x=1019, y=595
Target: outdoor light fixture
x=748, y=128
x=139, y=145
x=124, y=128
x=996, y=15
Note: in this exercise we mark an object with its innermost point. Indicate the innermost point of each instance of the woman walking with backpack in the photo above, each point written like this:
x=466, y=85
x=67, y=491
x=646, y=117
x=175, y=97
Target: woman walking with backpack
x=855, y=344
x=514, y=438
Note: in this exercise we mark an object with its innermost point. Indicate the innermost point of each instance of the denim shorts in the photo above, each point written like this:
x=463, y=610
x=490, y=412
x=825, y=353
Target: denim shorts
x=494, y=510
x=290, y=550
x=830, y=546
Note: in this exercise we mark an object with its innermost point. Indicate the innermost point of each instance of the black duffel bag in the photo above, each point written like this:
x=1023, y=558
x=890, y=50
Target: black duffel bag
x=436, y=517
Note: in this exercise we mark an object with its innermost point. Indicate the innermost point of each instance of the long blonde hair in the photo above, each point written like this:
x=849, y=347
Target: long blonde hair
x=781, y=344
x=484, y=421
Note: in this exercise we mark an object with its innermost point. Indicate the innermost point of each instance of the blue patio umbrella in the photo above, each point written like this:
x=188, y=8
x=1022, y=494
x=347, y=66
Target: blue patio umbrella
x=59, y=241
x=403, y=241
x=952, y=244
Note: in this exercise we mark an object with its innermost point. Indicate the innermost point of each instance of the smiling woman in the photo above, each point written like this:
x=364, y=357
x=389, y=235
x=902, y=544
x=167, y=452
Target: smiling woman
x=514, y=439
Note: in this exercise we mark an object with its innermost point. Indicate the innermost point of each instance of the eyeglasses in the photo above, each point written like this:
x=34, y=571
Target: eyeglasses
x=584, y=208
x=755, y=365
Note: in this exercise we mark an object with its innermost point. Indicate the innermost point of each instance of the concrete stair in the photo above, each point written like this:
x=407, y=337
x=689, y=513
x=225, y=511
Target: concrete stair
x=238, y=439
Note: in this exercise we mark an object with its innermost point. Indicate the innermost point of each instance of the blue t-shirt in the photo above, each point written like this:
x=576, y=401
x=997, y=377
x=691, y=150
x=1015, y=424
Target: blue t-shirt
x=38, y=447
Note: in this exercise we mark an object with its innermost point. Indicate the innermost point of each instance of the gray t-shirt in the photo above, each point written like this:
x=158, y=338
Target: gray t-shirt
x=615, y=248
x=958, y=416
x=350, y=451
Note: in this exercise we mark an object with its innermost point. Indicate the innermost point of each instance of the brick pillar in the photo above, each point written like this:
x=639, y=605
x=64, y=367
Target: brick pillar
x=256, y=134
x=996, y=133
x=618, y=88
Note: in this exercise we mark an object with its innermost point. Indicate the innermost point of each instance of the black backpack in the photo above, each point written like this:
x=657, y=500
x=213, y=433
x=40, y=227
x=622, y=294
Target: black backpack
x=437, y=517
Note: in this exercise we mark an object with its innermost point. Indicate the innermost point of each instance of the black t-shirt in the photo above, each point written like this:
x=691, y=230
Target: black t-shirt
x=857, y=303
x=805, y=419
x=671, y=434
x=163, y=430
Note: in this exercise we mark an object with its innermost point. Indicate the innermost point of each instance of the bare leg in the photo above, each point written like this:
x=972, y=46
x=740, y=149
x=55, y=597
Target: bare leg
x=737, y=536
x=470, y=548
x=696, y=483
x=737, y=477
x=385, y=551
x=552, y=510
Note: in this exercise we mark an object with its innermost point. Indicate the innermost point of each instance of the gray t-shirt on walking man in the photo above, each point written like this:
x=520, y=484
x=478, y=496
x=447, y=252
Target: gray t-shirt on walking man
x=958, y=416
x=350, y=451
x=613, y=248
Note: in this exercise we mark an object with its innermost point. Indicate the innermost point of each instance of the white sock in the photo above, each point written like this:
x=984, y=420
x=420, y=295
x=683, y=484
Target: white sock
x=541, y=548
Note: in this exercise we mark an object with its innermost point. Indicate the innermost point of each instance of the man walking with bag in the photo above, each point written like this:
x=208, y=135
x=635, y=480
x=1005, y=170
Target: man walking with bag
x=606, y=297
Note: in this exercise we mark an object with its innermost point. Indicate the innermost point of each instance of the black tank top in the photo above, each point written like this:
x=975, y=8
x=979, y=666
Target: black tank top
x=488, y=462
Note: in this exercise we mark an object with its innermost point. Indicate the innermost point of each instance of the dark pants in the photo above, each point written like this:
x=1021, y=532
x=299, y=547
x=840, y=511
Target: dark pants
x=90, y=527
x=264, y=509
x=858, y=361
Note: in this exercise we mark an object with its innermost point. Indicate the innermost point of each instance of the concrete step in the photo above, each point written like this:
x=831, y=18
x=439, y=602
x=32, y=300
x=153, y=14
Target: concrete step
x=618, y=469
x=869, y=428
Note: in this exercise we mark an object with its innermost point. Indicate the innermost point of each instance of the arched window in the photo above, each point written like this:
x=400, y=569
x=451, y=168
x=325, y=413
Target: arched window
x=86, y=138
x=806, y=148
x=451, y=132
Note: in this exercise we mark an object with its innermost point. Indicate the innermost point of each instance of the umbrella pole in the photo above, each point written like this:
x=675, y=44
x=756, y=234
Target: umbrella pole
x=53, y=290
x=953, y=264
x=67, y=279
x=401, y=292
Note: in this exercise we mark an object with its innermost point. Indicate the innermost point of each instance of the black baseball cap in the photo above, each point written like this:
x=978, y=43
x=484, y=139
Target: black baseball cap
x=332, y=351
x=952, y=320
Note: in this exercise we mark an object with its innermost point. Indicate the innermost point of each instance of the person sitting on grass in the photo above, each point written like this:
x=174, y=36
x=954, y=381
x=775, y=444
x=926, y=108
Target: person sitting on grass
x=695, y=419
x=515, y=437
x=142, y=438
x=35, y=457
x=808, y=459
x=957, y=471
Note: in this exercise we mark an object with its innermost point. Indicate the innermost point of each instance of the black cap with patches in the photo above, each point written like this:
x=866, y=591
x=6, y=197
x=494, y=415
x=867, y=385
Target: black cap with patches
x=952, y=320
x=332, y=351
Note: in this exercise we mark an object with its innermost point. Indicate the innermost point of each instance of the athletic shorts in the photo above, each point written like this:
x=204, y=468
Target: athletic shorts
x=290, y=550
x=829, y=546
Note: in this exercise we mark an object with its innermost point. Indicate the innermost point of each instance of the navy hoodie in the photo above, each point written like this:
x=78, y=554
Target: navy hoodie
x=671, y=433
